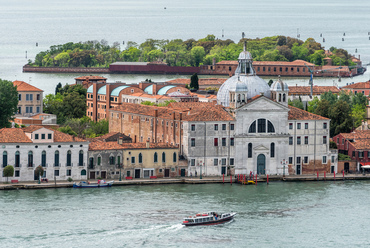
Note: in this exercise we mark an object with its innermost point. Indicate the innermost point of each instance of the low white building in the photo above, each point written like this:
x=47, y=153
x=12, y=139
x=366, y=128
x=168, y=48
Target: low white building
x=62, y=156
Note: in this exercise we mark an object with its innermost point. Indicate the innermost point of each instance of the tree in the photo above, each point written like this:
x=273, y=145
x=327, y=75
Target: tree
x=358, y=114
x=68, y=130
x=323, y=108
x=194, y=84
x=58, y=87
x=8, y=102
x=312, y=105
x=296, y=103
x=39, y=171
x=341, y=118
x=197, y=54
x=8, y=172
x=270, y=82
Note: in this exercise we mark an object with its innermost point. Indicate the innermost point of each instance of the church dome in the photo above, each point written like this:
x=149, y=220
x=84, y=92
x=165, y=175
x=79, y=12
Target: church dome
x=279, y=85
x=245, y=78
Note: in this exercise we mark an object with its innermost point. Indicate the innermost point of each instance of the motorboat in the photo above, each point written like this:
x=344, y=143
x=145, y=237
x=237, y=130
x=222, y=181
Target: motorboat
x=100, y=183
x=211, y=218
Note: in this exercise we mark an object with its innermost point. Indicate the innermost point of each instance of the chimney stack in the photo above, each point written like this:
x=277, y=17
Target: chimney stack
x=147, y=144
x=120, y=140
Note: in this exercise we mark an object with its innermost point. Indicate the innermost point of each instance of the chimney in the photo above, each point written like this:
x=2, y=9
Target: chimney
x=156, y=113
x=120, y=140
x=147, y=144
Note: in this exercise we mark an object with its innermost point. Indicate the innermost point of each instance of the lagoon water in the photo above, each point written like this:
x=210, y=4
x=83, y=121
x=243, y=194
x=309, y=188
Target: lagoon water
x=313, y=214
x=24, y=23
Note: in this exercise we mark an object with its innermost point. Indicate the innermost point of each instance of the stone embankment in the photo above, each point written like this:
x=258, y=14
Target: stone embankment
x=188, y=180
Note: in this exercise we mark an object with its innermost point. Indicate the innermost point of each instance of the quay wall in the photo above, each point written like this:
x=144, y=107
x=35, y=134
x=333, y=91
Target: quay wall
x=27, y=68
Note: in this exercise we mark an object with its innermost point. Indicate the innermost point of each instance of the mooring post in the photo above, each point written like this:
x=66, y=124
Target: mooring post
x=231, y=179
x=256, y=179
x=343, y=174
x=267, y=178
x=223, y=178
x=317, y=176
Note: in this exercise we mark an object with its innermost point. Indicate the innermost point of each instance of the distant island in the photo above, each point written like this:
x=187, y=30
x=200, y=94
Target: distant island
x=188, y=53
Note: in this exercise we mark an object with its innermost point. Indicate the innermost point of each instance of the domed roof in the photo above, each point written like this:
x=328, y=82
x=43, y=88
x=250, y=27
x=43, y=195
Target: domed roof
x=279, y=85
x=245, y=79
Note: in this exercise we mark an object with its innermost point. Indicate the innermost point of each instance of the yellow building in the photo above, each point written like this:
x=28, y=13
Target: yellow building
x=110, y=160
x=30, y=99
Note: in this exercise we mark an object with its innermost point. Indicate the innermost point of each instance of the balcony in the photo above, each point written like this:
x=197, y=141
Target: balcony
x=57, y=165
x=69, y=164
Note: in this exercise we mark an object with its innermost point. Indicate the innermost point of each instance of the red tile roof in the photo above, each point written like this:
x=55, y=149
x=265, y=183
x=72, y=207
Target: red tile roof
x=23, y=86
x=299, y=114
x=361, y=85
x=13, y=135
x=317, y=90
x=202, y=81
x=58, y=136
x=360, y=139
x=100, y=145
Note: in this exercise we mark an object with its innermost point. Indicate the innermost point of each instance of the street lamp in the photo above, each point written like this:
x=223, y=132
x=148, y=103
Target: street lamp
x=120, y=167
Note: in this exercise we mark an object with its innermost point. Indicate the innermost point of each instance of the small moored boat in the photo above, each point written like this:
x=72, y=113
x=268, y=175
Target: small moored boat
x=211, y=218
x=100, y=183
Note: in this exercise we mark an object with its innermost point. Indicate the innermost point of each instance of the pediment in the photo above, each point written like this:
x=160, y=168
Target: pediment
x=261, y=148
x=263, y=104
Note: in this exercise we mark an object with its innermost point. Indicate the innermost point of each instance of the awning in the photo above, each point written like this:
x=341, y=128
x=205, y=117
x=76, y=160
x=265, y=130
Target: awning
x=365, y=165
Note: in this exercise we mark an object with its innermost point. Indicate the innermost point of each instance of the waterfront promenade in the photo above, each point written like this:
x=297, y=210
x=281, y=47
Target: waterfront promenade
x=188, y=180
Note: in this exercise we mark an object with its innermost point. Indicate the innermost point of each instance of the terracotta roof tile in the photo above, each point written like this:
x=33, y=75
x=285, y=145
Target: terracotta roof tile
x=202, y=81
x=58, y=136
x=100, y=145
x=299, y=114
x=361, y=85
x=23, y=86
x=13, y=135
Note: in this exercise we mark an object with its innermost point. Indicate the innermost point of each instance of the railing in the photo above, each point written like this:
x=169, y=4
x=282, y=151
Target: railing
x=81, y=164
x=57, y=165
x=69, y=164
x=91, y=166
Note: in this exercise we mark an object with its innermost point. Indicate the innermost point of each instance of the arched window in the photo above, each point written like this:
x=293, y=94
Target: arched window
x=91, y=163
x=69, y=158
x=5, y=158
x=112, y=160
x=30, y=159
x=283, y=97
x=140, y=158
x=163, y=157
x=174, y=157
x=56, y=158
x=279, y=97
x=262, y=125
x=83, y=173
x=252, y=128
x=249, y=150
x=270, y=127
x=43, y=159
x=17, y=159
x=272, y=150
x=155, y=157
x=81, y=158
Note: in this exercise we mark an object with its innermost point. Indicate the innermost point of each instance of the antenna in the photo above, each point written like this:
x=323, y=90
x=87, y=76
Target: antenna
x=243, y=35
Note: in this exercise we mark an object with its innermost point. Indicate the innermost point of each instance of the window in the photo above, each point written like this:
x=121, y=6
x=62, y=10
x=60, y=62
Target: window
x=298, y=140
x=163, y=157
x=215, y=161
x=19, y=97
x=272, y=150
x=298, y=160
x=83, y=173
x=290, y=125
x=69, y=173
x=56, y=173
x=290, y=160
x=270, y=127
x=81, y=158
x=69, y=158
x=132, y=160
x=43, y=136
x=325, y=125
x=306, y=126
x=174, y=157
x=360, y=154
x=99, y=160
x=36, y=136
x=223, y=161
x=231, y=141
x=30, y=159
x=17, y=159
x=38, y=97
x=192, y=127
x=290, y=140
x=37, y=109
x=19, y=110
x=112, y=160
x=223, y=126
x=56, y=158
x=193, y=142
x=305, y=160
x=252, y=128
x=140, y=158
x=49, y=135
x=192, y=162
x=249, y=150
x=298, y=125
x=216, y=127
x=16, y=173
x=5, y=159
x=231, y=126
x=332, y=159
x=261, y=125
x=353, y=154
x=223, y=141
x=324, y=159
x=215, y=141
x=155, y=157
x=231, y=161
x=337, y=141
x=324, y=139
x=306, y=140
